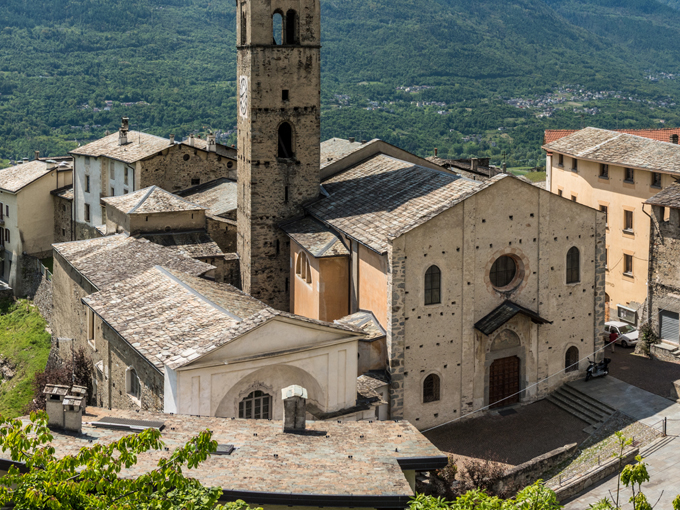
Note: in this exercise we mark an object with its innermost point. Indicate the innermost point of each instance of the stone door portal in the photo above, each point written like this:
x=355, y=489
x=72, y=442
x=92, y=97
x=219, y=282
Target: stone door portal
x=504, y=381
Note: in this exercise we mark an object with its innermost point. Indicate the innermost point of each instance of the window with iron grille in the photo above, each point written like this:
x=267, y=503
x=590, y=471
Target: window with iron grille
x=431, y=388
x=256, y=406
x=573, y=263
x=433, y=281
x=503, y=271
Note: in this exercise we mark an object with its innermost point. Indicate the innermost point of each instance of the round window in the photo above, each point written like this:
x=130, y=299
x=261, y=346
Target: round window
x=503, y=271
x=230, y=164
x=186, y=157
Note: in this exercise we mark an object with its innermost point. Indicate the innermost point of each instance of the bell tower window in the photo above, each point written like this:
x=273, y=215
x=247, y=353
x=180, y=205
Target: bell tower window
x=286, y=141
x=277, y=28
x=291, y=27
x=244, y=31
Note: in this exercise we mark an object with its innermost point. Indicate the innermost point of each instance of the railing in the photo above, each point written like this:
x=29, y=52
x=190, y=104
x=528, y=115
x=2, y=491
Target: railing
x=45, y=272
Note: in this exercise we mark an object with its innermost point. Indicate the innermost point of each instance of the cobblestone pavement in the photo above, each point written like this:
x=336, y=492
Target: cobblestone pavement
x=663, y=459
x=653, y=375
x=533, y=430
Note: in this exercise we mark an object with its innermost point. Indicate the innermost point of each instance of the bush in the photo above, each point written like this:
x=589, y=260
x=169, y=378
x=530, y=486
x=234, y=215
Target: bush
x=648, y=337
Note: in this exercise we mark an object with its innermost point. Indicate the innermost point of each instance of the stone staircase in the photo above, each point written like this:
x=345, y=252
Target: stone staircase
x=586, y=408
x=666, y=351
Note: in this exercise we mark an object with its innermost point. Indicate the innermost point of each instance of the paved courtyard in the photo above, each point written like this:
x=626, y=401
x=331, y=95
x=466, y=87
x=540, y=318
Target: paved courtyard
x=663, y=460
x=653, y=375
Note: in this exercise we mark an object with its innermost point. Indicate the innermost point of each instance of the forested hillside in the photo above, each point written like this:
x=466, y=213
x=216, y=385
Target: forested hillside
x=170, y=66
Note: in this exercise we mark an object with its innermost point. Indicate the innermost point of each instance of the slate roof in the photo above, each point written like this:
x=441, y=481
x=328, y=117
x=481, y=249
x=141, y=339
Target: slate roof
x=218, y=196
x=383, y=197
x=312, y=464
x=220, y=149
x=366, y=322
x=65, y=192
x=669, y=197
x=17, y=177
x=503, y=313
x=172, y=318
x=111, y=259
x=196, y=244
x=337, y=148
x=149, y=201
x=368, y=384
x=662, y=135
x=315, y=237
x=619, y=149
x=140, y=146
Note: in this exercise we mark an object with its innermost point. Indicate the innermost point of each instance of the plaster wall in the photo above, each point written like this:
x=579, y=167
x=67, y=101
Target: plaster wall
x=304, y=297
x=372, y=288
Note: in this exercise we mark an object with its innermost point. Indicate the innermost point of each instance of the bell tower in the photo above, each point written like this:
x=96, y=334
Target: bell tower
x=278, y=86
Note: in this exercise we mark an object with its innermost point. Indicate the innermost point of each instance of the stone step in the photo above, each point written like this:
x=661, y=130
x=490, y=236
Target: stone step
x=563, y=402
x=586, y=405
x=604, y=409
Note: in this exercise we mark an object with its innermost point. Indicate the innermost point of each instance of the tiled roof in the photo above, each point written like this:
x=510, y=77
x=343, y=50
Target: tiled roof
x=149, y=201
x=337, y=148
x=348, y=458
x=619, y=149
x=172, y=318
x=662, y=135
x=669, y=197
x=366, y=322
x=218, y=196
x=65, y=192
x=220, y=149
x=384, y=197
x=315, y=237
x=140, y=146
x=368, y=384
x=111, y=259
x=17, y=177
x=503, y=313
x=196, y=244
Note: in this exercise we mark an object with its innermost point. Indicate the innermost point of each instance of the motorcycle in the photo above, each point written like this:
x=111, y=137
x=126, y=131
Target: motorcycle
x=598, y=369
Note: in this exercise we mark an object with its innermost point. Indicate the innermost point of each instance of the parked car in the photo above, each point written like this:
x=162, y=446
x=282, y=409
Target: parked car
x=626, y=334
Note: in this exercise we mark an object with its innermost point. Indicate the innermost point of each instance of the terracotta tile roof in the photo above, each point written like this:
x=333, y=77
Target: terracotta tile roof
x=149, y=201
x=366, y=322
x=218, y=196
x=312, y=464
x=315, y=237
x=669, y=197
x=662, y=135
x=172, y=318
x=15, y=178
x=140, y=146
x=384, y=197
x=619, y=149
x=337, y=148
x=111, y=259
x=195, y=244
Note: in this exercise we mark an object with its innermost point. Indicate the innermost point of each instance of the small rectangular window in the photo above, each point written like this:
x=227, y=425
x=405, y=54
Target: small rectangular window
x=113, y=192
x=560, y=160
x=87, y=184
x=87, y=212
x=284, y=95
x=125, y=175
x=628, y=265
x=606, y=258
x=285, y=195
x=573, y=198
x=63, y=232
x=195, y=182
x=7, y=211
x=656, y=180
x=605, y=210
x=112, y=172
x=574, y=165
x=125, y=192
x=7, y=235
x=559, y=192
x=90, y=327
x=628, y=221
x=604, y=171
x=630, y=175
x=103, y=215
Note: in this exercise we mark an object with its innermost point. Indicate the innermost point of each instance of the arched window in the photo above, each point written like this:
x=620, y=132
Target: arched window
x=433, y=282
x=571, y=360
x=573, y=263
x=243, y=28
x=431, y=388
x=291, y=27
x=132, y=386
x=286, y=141
x=503, y=271
x=277, y=28
x=302, y=267
x=256, y=406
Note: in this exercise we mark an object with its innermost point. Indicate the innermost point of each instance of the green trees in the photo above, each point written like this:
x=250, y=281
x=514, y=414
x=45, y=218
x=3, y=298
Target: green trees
x=533, y=497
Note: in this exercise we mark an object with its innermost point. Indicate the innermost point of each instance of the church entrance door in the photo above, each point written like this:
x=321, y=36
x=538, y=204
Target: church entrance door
x=504, y=381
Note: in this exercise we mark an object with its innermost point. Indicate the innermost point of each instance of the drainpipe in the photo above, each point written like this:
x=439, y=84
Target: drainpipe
x=649, y=263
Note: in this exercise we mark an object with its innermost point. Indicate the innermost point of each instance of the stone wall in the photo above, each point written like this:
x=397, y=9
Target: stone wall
x=69, y=315
x=223, y=232
x=43, y=299
x=62, y=219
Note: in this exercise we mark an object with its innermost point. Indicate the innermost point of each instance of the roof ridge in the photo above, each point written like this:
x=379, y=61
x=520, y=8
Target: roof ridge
x=197, y=294
x=143, y=199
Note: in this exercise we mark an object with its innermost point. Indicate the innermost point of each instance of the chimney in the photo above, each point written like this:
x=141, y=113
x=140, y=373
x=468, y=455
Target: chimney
x=211, y=142
x=123, y=131
x=473, y=164
x=435, y=152
x=191, y=140
x=364, y=141
x=54, y=399
x=73, y=406
x=351, y=139
x=37, y=155
x=294, y=408
x=172, y=139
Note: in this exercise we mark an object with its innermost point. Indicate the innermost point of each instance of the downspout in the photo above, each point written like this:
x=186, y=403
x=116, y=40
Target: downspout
x=649, y=262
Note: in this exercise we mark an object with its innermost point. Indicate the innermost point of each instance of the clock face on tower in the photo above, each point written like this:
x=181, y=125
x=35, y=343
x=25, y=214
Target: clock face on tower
x=243, y=96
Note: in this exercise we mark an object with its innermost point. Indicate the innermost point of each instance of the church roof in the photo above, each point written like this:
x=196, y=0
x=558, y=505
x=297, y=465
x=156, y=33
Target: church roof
x=337, y=148
x=172, y=318
x=384, y=197
x=149, y=201
x=217, y=196
x=315, y=237
x=111, y=259
x=140, y=146
x=503, y=313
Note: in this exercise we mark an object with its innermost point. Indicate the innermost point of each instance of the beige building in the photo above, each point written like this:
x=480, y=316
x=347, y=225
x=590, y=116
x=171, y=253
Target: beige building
x=27, y=219
x=128, y=161
x=615, y=173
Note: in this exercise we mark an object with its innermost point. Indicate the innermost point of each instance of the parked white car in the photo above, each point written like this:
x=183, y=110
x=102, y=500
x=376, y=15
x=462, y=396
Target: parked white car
x=626, y=334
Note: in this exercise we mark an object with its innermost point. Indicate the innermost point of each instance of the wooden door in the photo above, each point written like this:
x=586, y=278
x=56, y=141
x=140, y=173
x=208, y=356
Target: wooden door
x=504, y=381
